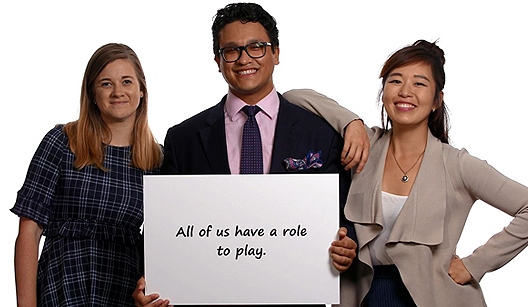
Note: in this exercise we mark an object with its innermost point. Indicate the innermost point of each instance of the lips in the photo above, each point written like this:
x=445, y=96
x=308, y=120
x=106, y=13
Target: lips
x=247, y=72
x=404, y=106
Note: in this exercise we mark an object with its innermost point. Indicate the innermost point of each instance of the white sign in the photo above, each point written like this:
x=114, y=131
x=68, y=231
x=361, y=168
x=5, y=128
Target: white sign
x=241, y=239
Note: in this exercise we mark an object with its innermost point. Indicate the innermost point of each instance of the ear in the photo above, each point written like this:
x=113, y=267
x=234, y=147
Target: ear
x=217, y=60
x=438, y=103
x=140, y=94
x=276, y=56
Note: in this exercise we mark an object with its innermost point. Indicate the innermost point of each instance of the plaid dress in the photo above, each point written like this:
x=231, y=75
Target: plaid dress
x=93, y=251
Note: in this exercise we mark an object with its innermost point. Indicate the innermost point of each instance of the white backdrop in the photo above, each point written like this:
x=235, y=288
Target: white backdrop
x=335, y=47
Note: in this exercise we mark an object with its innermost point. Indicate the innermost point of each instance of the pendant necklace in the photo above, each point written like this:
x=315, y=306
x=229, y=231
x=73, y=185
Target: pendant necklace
x=405, y=178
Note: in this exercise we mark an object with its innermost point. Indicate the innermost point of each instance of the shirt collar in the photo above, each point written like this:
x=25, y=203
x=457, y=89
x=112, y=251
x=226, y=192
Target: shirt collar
x=269, y=104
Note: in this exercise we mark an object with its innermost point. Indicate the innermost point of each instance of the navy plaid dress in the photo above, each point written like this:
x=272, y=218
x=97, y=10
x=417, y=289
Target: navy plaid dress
x=93, y=251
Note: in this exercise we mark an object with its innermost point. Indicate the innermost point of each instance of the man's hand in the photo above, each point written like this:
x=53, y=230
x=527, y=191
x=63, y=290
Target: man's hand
x=343, y=251
x=356, y=148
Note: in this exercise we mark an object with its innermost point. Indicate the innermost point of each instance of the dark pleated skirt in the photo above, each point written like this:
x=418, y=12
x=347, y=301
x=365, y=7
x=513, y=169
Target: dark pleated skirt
x=387, y=289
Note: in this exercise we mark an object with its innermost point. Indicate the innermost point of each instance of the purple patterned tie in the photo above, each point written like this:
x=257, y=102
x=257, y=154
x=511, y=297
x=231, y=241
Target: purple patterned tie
x=251, y=157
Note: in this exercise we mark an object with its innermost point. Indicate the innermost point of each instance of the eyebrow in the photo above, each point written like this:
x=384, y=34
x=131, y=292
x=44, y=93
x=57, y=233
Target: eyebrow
x=109, y=79
x=233, y=44
x=415, y=76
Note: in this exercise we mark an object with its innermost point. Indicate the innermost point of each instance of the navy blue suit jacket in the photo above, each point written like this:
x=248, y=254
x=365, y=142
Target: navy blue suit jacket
x=198, y=146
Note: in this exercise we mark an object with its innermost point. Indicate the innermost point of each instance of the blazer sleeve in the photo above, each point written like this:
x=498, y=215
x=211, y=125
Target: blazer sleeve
x=170, y=164
x=487, y=184
x=337, y=116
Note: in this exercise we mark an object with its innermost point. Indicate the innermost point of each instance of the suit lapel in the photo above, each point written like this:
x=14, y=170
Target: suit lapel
x=214, y=140
x=286, y=136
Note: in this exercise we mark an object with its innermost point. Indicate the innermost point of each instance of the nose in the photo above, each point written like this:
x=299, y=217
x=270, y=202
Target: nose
x=406, y=90
x=118, y=90
x=244, y=57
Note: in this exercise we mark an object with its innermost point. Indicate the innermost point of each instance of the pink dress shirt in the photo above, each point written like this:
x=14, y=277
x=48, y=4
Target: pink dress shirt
x=234, y=123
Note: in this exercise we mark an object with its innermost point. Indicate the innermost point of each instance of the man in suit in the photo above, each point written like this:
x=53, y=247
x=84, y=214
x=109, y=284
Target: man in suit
x=246, y=47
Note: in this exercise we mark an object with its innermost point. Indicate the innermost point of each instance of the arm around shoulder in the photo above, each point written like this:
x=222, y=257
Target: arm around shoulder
x=337, y=116
x=349, y=125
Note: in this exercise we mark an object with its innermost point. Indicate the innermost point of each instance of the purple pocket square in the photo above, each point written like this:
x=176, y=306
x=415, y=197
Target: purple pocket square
x=311, y=160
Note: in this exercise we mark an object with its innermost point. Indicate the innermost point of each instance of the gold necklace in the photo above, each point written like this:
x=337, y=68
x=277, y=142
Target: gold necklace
x=405, y=178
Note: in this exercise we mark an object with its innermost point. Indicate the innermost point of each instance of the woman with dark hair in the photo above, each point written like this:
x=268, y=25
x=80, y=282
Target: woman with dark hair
x=411, y=201
x=84, y=192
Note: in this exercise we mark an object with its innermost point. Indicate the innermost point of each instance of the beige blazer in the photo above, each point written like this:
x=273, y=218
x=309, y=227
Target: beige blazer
x=427, y=230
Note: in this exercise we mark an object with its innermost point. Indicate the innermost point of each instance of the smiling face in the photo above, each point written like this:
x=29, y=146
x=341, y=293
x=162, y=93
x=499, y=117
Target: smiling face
x=249, y=79
x=117, y=92
x=409, y=95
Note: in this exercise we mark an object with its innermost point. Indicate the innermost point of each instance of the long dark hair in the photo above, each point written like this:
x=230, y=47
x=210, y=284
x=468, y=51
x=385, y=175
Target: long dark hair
x=421, y=52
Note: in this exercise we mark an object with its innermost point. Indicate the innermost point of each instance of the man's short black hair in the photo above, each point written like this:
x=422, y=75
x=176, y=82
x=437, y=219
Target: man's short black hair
x=244, y=12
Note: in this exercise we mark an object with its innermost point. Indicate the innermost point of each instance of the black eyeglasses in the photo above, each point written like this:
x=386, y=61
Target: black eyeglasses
x=254, y=50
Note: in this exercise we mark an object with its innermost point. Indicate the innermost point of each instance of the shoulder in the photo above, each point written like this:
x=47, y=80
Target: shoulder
x=454, y=156
x=465, y=169
x=204, y=118
x=51, y=149
x=307, y=119
x=375, y=133
x=57, y=132
x=55, y=137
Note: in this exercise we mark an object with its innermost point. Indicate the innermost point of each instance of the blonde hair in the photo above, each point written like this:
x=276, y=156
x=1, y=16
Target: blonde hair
x=87, y=134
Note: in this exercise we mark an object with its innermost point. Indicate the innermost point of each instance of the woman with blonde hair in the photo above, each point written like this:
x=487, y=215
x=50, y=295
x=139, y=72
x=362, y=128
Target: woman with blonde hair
x=84, y=192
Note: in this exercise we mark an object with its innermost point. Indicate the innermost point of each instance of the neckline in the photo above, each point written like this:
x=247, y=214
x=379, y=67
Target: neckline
x=116, y=146
x=394, y=195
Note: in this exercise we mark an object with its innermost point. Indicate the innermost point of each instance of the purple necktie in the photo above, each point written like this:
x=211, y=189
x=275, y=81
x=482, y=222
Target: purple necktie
x=251, y=156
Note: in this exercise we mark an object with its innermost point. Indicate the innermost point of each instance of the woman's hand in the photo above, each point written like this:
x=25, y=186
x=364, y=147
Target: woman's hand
x=151, y=300
x=356, y=147
x=458, y=271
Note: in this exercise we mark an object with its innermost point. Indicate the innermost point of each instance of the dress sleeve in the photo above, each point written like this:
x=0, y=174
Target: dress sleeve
x=507, y=195
x=35, y=197
x=337, y=116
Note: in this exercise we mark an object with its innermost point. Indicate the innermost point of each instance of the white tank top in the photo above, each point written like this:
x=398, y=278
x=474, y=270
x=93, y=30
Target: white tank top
x=391, y=205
